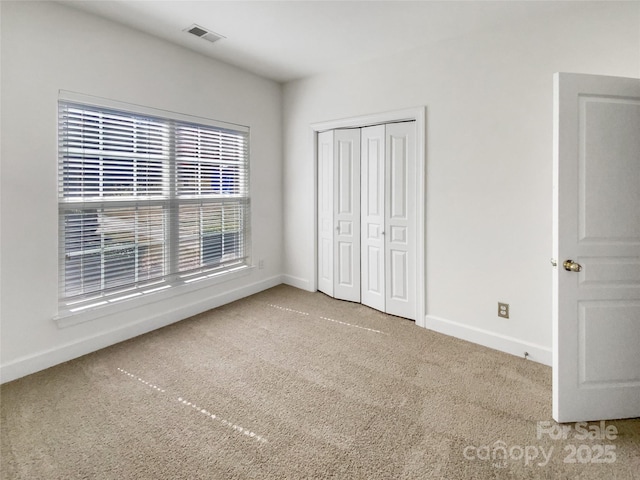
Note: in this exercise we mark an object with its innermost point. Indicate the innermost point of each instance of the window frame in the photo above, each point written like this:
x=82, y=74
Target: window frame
x=173, y=281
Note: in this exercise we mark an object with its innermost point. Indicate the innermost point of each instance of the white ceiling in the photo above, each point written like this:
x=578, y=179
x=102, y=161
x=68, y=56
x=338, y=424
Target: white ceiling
x=286, y=40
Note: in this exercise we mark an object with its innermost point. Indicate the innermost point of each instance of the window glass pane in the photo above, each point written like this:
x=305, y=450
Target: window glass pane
x=106, y=154
x=210, y=234
x=211, y=162
x=82, y=248
x=108, y=248
x=145, y=199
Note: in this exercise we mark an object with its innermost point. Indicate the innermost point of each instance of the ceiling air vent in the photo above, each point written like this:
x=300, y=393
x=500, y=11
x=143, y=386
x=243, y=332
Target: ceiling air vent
x=201, y=32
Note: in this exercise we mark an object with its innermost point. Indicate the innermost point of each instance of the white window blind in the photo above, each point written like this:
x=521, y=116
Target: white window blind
x=146, y=202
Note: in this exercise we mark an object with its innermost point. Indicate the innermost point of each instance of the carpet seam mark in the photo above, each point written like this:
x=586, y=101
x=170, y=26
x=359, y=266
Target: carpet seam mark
x=223, y=421
x=325, y=318
x=352, y=325
x=201, y=410
x=288, y=309
x=151, y=385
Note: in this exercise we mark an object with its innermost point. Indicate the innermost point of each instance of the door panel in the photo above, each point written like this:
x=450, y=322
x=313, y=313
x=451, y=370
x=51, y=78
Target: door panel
x=325, y=212
x=345, y=178
x=596, y=317
x=347, y=214
x=400, y=245
x=345, y=265
x=374, y=276
x=613, y=321
x=398, y=177
x=615, y=272
x=373, y=194
x=611, y=141
x=399, y=281
x=399, y=235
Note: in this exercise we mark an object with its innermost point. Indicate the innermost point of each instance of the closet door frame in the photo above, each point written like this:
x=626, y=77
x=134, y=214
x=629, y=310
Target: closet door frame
x=417, y=114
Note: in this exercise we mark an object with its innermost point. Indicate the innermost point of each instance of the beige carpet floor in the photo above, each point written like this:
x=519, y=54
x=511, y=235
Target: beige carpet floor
x=291, y=384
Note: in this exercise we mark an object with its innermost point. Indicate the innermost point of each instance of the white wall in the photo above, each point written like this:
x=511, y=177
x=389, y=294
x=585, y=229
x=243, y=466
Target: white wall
x=47, y=47
x=489, y=159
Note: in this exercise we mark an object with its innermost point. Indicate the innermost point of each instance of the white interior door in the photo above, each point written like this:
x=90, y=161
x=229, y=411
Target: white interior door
x=347, y=214
x=596, y=314
x=326, y=227
x=400, y=234
x=373, y=216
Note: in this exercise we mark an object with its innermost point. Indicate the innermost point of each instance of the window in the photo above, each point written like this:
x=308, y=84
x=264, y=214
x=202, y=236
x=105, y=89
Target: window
x=146, y=202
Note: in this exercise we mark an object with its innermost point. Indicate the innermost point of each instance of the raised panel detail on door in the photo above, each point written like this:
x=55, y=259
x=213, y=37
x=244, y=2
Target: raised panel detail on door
x=607, y=331
x=373, y=278
x=614, y=272
x=345, y=177
x=398, y=177
x=398, y=234
x=373, y=218
x=399, y=281
x=400, y=254
x=325, y=212
x=345, y=227
x=606, y=124
x=345, y=264
x=347, y=214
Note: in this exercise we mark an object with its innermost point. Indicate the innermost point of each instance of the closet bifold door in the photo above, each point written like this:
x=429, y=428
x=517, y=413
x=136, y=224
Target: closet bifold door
x=367, y=233
x=325, y=212
x=346, y=181
x=400, y=219
x=388, y=218
x=373, y=216
x=339, y=213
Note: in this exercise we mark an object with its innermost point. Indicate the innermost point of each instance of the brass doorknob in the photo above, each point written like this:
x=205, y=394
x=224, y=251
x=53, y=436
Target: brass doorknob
x=571, y=266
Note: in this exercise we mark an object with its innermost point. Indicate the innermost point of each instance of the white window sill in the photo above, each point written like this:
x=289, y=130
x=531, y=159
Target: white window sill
x=67, y=318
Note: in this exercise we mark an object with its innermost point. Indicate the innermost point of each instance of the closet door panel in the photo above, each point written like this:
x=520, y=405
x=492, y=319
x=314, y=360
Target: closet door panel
x=325, y=212
x=399, y=275
x=400, y=219
x=347, y=214
x=372, y=215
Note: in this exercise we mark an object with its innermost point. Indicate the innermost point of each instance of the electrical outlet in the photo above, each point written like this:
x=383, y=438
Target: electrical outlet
x=503, y=310
x=260, y=264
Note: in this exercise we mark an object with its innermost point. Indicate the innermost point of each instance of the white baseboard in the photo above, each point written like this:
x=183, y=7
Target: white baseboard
x=486, y=338
x=301, y=283
x=39, y=361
